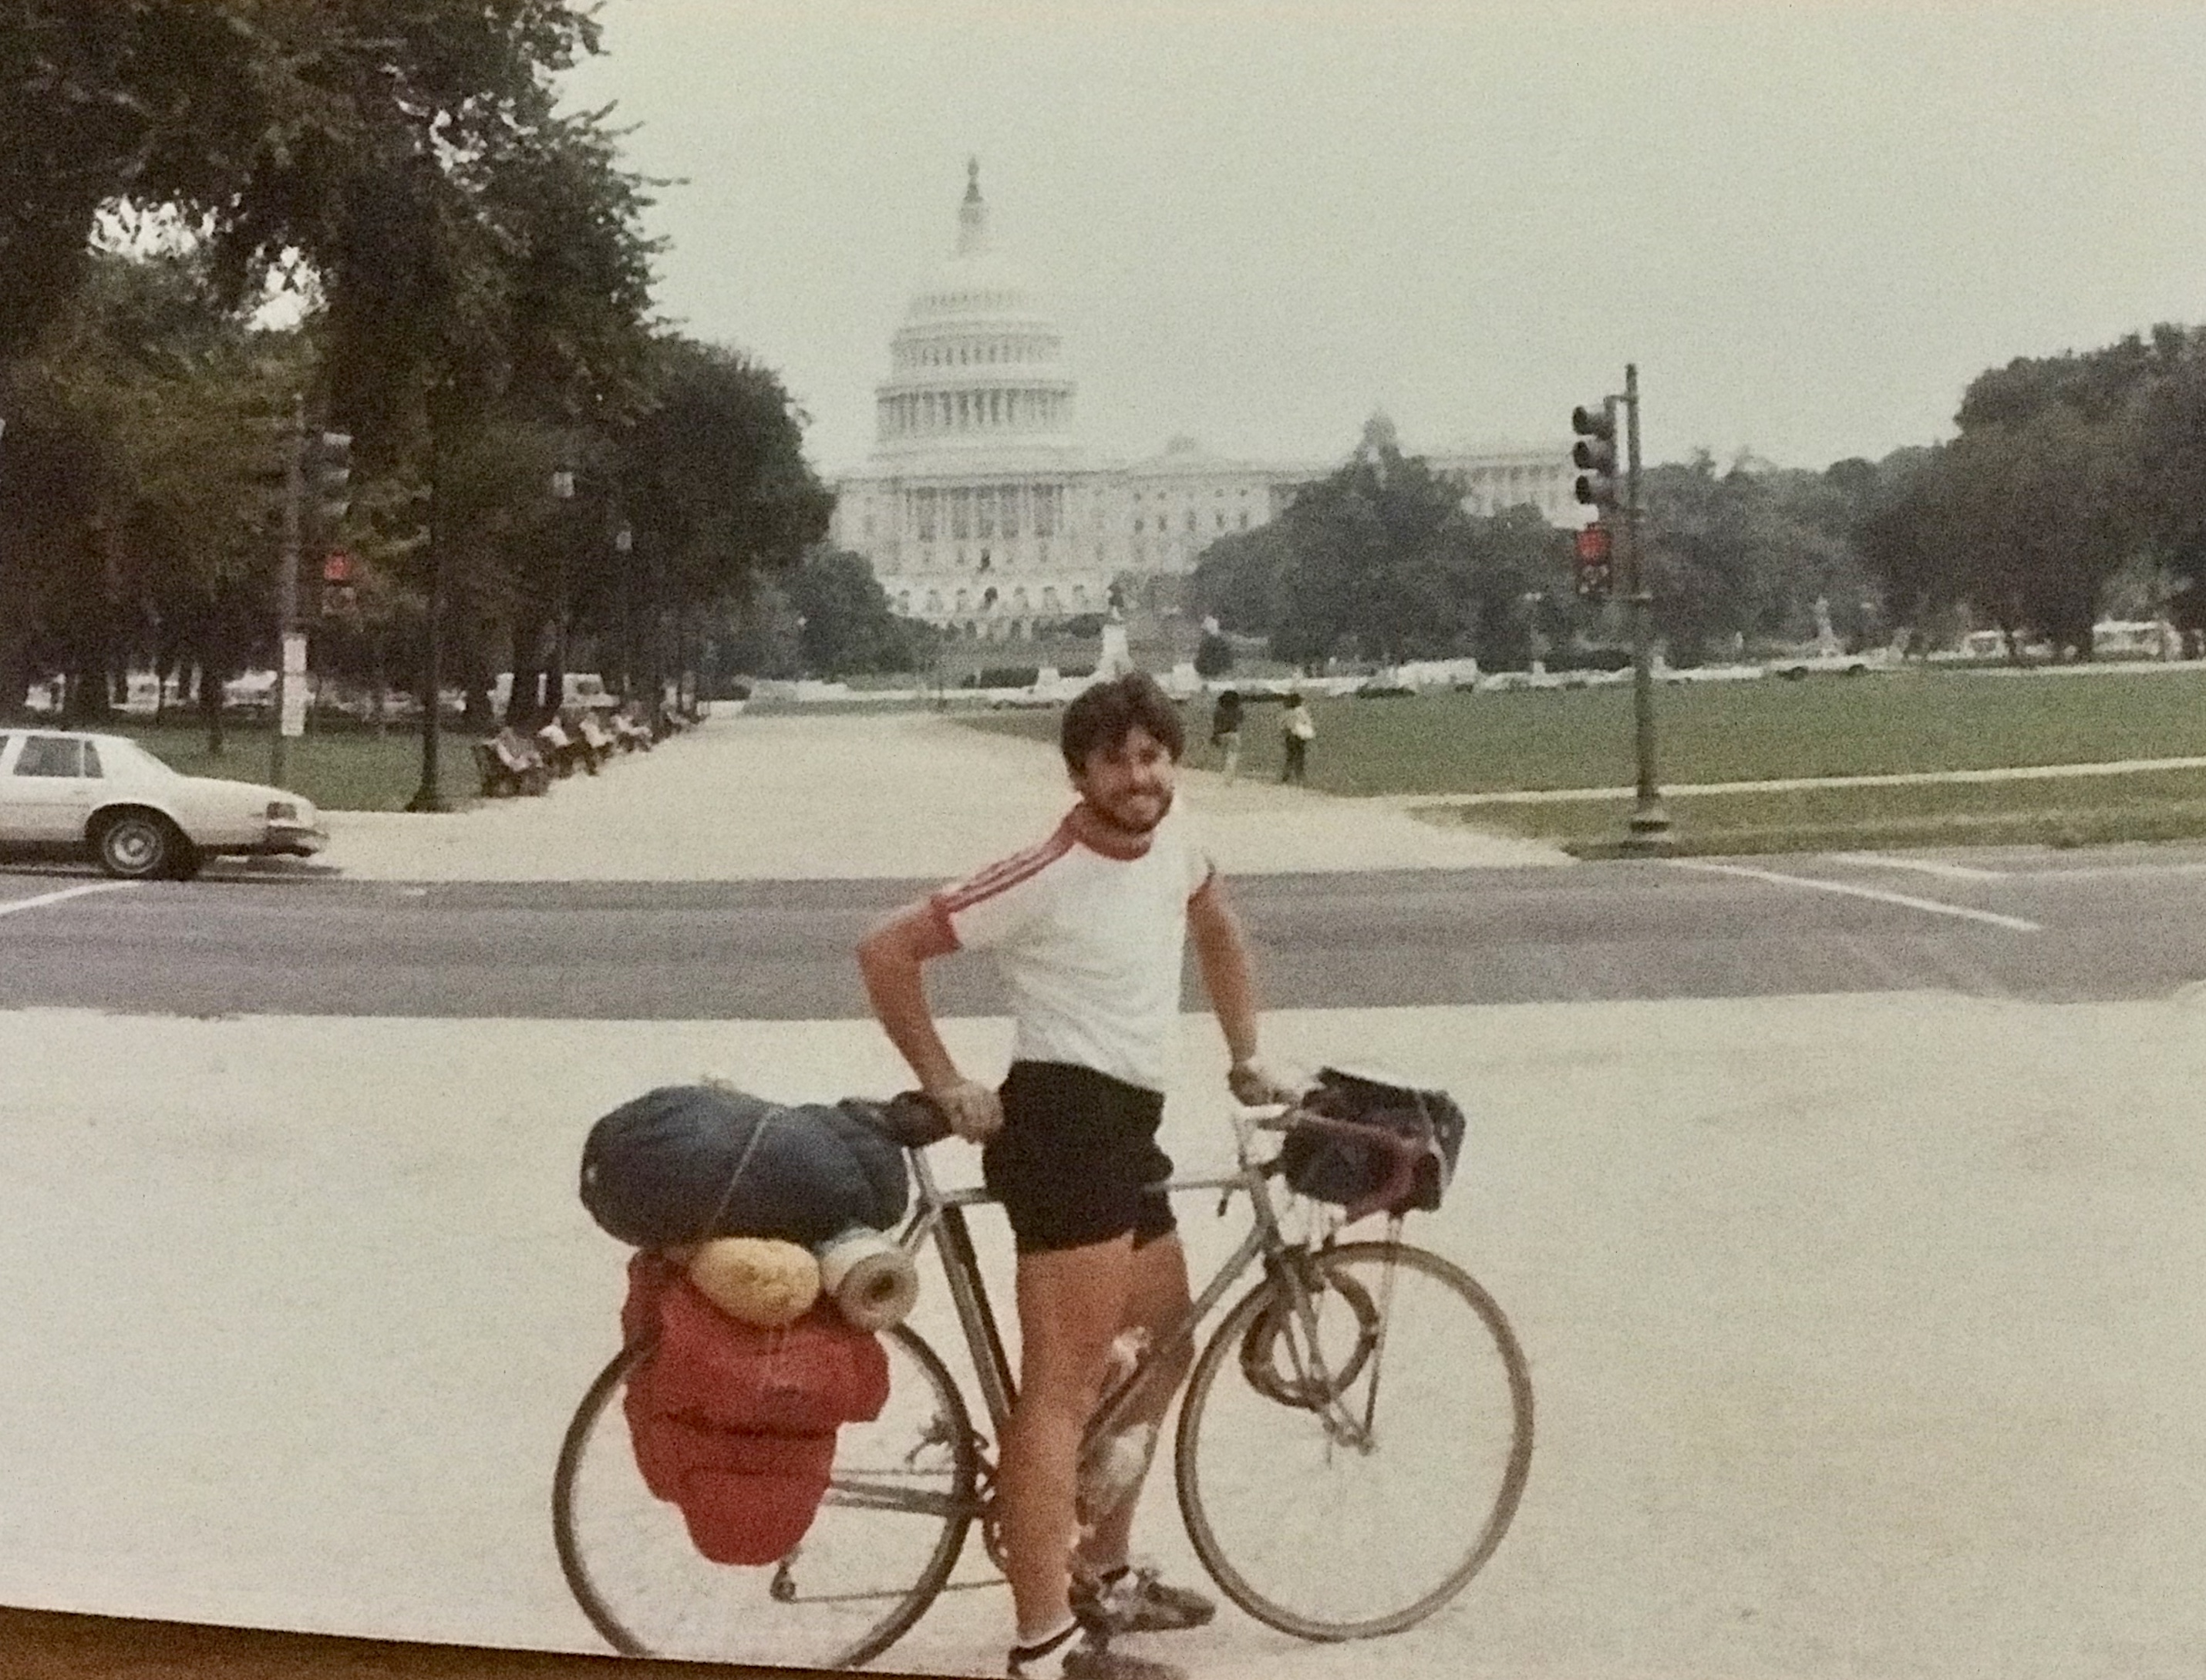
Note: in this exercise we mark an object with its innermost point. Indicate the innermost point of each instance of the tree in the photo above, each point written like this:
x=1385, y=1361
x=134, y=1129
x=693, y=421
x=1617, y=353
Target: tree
x=1213, y=656
x=845, y=624
x=251, y=119
x=137, y=518
x=1380, y=561
x=472, y=244
x=2171, y=507
x=714, y=481
x=2025, y=520
x=2069, y=472
x=1241, y=579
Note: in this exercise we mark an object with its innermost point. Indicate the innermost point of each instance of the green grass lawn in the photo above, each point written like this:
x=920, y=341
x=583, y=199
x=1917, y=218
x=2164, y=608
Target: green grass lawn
x=1766, y=730
x=1717, y=732
x=2064, y=811
x=340, y=768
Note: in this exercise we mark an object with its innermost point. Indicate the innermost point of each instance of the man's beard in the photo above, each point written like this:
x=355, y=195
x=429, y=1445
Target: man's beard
x=1111, y=819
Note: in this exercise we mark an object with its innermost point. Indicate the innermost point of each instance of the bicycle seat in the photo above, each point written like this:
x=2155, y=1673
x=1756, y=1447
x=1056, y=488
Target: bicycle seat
x=909, y=1118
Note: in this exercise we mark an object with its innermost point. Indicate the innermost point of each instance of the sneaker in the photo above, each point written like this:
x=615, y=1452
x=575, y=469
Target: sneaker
x=1077, y=1655
x=1137, y=1600
x=1087, y=1661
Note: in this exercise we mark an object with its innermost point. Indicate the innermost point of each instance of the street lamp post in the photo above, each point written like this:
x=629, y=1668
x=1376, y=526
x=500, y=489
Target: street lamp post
x=563, y=493
x=623, y=545
x=429, y=796
x=286, y=583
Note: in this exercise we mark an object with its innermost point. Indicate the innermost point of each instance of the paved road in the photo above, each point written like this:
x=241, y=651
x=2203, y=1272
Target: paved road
x=2086, y=925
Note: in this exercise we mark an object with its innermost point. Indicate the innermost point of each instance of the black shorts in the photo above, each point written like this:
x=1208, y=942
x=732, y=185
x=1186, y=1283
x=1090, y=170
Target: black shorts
x=1077, y=1160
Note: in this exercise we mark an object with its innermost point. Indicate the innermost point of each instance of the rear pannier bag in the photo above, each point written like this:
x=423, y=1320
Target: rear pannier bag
x=735, y=1426
x=1327, y=1167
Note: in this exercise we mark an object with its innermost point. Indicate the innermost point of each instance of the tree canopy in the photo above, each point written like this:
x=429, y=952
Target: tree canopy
x=1379, y=562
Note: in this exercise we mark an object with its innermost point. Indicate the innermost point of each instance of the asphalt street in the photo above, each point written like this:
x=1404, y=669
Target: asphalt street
x=2096, y=926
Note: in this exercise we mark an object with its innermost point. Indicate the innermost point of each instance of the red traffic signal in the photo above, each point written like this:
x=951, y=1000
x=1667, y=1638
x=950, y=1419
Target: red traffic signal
x=337, y=567
x=1595, y=577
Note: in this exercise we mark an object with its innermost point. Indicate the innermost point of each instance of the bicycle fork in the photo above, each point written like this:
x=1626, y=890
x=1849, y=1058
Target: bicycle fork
x=1303, y=1281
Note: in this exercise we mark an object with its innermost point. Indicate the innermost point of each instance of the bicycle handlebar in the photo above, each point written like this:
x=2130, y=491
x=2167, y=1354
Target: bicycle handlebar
x=912, y=1120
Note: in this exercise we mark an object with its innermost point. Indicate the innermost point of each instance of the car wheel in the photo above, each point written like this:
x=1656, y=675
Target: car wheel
x=139, y=846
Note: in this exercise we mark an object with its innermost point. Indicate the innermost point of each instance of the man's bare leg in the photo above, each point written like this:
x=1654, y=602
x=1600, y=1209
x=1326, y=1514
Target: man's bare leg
x=1157, y=1301
x=1071, y=1302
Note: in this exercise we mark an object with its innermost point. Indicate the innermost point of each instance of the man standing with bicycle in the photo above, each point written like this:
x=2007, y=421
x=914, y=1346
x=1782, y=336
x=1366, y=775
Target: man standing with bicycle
x=1090, y=928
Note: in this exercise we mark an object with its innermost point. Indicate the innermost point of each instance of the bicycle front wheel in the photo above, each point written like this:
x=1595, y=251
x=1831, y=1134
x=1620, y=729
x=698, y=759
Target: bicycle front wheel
x=885, y=1541
x=1354, y=1441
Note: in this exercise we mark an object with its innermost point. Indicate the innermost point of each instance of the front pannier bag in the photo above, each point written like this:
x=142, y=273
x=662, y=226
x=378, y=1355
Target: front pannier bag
x=1328, y=1167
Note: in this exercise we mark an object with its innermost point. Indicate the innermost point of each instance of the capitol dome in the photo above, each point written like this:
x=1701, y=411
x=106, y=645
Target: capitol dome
x=978, y=366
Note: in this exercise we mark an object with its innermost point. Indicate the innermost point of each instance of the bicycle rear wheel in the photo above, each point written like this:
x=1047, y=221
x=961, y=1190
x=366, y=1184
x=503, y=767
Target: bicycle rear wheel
x=1354, y=1441
x=884, y=1542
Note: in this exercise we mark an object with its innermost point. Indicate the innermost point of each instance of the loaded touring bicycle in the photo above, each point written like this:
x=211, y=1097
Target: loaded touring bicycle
x=1352, y=1442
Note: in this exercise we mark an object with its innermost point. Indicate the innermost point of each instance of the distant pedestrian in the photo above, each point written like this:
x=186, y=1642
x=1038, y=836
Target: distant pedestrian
x=1226, y=732
x=1296, y=730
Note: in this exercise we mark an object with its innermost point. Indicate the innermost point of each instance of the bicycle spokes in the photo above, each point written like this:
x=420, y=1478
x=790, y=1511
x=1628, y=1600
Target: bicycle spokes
x=1317, y=1510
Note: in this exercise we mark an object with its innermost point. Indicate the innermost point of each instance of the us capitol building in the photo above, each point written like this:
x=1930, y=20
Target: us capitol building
x=979, y=509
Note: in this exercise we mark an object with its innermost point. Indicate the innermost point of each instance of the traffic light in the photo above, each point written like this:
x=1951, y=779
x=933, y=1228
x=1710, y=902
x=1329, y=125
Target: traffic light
x=337, y=592
x=332, y=477
x=1595, y=454
x=1594, y=565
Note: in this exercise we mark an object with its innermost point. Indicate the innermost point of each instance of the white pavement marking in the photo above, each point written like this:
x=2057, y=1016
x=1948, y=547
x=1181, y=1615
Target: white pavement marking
x=2102, y=871
x=1921, y=865
x=9, y=909
x=1849, y=890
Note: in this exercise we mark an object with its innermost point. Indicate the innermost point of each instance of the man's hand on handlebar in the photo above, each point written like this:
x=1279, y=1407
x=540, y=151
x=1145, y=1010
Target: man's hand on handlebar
x=1255, y=1086
x=975, y=1113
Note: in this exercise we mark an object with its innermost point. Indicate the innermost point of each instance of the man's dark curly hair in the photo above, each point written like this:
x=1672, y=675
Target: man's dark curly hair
x=1103, y=717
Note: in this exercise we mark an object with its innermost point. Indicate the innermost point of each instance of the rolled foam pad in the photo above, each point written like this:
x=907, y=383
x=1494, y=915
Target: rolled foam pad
x=870, y=1278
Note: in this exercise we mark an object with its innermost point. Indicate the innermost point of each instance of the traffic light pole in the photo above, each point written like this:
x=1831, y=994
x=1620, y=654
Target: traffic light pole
x=1647, y=833
x=287, y=579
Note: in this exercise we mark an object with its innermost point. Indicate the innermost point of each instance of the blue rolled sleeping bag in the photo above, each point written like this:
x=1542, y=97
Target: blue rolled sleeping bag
x=689, y=1163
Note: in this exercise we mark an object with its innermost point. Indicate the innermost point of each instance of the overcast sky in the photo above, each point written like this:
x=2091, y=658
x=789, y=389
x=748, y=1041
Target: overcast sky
x=1810, y=222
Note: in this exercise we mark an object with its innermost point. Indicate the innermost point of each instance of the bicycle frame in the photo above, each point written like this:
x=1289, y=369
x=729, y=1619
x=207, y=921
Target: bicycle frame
x=940, y=1217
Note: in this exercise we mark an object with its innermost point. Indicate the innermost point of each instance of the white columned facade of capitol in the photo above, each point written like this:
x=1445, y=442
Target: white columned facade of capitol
x=978, y=509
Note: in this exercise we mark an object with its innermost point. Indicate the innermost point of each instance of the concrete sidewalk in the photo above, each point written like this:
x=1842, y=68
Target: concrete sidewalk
x=1864, y=1330
x=847, y=798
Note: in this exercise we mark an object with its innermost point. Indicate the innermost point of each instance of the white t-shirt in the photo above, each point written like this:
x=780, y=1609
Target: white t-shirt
x=1089, y=943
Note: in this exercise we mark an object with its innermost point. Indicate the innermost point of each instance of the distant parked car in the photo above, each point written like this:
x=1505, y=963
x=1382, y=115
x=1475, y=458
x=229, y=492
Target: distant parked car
x=1837, y=664
x=64, y=793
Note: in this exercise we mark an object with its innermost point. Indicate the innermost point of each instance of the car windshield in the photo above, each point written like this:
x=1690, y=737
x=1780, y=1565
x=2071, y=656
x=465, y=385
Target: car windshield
x=128, y=758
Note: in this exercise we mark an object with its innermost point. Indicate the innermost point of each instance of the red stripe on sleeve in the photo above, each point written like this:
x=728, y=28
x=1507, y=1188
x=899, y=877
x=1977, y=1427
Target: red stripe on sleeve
x=1001, y=876
x=944, y=937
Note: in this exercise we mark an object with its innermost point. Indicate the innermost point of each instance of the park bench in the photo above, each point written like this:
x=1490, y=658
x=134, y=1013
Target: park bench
x=510, y=765
x=596, y=737
x=565, y=752
x=632, y=735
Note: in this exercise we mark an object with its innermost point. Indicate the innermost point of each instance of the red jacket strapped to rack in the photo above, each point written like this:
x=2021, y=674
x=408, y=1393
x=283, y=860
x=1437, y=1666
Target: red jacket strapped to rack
x=736, y=1425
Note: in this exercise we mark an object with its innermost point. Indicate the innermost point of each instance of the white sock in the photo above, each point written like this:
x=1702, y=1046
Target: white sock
x=1033, y=1651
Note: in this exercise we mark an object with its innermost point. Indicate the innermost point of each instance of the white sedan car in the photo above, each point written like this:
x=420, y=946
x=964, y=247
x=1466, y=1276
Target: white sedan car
x=62, y=791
